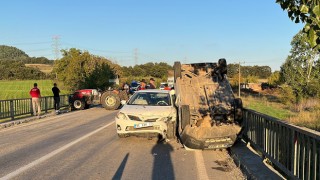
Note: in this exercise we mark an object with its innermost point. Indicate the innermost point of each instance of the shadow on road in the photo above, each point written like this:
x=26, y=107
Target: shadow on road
x=162, y=164
x=119, y=172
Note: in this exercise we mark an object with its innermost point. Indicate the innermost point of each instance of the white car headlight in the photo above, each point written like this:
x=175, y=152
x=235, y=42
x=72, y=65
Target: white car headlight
x=121, y=115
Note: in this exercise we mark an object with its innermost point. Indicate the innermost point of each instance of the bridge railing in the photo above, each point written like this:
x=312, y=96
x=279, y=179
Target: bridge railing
x=13, y=108
x=292, y=149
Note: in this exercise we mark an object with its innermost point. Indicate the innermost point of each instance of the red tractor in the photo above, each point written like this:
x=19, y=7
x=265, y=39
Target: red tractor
x=110, y=100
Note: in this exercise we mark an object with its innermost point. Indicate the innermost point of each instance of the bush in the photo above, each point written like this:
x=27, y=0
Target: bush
x=287, y=95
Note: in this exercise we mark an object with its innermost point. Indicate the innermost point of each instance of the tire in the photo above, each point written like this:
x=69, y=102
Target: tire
x=78, y=104
x=177, y=70
x=185, y=116
x=171, y=130
x=110, y=101
x=238, y=108
x=122, y=135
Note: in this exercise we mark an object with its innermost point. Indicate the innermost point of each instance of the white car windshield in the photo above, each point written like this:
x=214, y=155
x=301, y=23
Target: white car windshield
x=150, y=99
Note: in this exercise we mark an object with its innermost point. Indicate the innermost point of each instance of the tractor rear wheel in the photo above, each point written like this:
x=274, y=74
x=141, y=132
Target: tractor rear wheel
x=110, y=100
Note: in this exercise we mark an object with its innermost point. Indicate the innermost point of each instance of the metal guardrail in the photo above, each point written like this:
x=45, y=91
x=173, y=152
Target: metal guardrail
x=292, y=149
x=13, y=108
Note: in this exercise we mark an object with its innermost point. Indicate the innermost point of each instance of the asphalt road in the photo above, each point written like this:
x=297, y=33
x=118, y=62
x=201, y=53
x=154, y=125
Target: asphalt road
x=84, y=145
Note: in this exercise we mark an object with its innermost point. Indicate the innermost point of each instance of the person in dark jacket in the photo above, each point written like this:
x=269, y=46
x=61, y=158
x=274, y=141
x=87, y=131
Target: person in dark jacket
x=151, y=84
x=56, y=97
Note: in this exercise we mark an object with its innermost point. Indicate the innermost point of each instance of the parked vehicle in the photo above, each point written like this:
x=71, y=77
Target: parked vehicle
x=148, y=113
x=110, y=99
x=162, y=85
x=209, y=115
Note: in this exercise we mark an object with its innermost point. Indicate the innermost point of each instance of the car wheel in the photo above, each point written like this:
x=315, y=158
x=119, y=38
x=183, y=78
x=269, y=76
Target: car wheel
x=238, y=114
x=185, y=116
x=78, y=104
x=122, y=135
x=171, y=131
x=177, y=70
x=110, y=101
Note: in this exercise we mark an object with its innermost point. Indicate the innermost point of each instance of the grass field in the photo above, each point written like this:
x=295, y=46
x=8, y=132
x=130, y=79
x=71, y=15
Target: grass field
x=20, y=89
x=264, y=106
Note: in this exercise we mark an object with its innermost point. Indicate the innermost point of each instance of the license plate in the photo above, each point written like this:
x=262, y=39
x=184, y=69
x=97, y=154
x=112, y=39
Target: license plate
x=142, y=125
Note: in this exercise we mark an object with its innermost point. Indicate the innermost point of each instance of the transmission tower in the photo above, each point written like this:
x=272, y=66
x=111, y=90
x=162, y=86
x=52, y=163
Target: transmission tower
x=55, y=46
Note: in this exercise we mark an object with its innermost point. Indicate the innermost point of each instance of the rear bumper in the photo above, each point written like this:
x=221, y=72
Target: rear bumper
x=216, y=137
x=209, y=143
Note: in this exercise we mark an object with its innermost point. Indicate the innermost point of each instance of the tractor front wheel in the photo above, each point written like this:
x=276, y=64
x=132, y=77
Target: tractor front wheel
x=78, y=104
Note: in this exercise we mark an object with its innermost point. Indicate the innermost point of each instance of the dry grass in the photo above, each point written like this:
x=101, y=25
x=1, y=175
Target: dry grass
x=307, y=119
x=304, y=114
x=308, y=114
x=46, y=68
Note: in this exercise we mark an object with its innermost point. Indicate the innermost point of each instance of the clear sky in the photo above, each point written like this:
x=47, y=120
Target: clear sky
x=257, y=32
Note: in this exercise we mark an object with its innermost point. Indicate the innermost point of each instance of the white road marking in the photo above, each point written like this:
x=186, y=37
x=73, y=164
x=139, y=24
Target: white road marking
x=53, y=153
x=201, y=168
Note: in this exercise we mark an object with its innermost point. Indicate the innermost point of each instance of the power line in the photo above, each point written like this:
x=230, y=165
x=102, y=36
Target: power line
x=55, y=45
x=29, y=43
x=97, y=50
x=135, y=56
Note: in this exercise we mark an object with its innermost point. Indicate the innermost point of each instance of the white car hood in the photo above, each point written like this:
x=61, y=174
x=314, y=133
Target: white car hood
x=147, y=111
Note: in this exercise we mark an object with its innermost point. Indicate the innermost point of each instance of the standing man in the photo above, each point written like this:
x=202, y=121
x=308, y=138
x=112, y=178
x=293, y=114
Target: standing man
x=143, y=84
x=35, y=95
x=151, y=84
x=56, y=97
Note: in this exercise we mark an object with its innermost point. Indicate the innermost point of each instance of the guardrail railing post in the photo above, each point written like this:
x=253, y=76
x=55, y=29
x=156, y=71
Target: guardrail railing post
x=46, y=104
x=31, y=108
x=11, y=110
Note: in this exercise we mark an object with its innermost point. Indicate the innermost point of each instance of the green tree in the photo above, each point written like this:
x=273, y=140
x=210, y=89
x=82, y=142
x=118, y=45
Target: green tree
x=300, y=68
x=158, y=70
x=308, y=12
x=274, y=78
x=79, y=70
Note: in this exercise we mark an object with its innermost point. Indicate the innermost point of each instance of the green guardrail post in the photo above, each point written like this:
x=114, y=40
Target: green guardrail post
x=31, y=108
x=46, y=104
x=11, y=110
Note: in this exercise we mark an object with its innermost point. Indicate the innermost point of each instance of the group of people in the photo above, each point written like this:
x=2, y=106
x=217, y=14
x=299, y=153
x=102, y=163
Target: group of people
x=141, y=86
x=36, y=96
x=151, y=85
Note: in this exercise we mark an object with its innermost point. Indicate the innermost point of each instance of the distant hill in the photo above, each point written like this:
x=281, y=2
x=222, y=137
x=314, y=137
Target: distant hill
x=15, y=64
x=12, y=53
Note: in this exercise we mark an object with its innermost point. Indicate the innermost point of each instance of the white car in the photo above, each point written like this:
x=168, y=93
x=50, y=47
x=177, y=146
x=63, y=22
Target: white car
x=149, y=113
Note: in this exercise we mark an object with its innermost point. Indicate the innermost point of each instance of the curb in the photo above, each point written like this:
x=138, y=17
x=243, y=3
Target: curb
x=252, y=164
x=28, y=119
